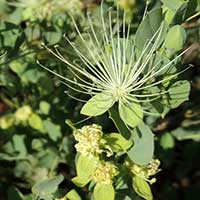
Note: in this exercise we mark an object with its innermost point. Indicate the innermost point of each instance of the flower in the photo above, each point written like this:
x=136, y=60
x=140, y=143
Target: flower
x=105, y=172
x=113, y=70
x=89, y=140
x=146, y=172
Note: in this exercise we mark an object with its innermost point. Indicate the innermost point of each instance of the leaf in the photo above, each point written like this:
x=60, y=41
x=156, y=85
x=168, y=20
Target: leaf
x=131, y=113
x=19, y=145
x=52, y=129
x=121, y=127
x=48, y=186
x=104, y=191
x=175, y=38
x=117, y=142
x=35, y=122
x=85, y=167
x=142, y=151
x=173, y=5
x=17, y=67
x=44, y=107
x=73, y=195
x=98, y=104
x=185, y=10
x=167, y=141
x=148, y=27
x=178, y=93
x=14, y=194
x=187, y=134
x=142, y=188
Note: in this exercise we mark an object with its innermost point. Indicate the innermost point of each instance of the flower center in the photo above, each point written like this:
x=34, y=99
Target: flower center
x=118, y=93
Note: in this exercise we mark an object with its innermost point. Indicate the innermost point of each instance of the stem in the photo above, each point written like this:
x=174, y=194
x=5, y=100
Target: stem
x=121, y=127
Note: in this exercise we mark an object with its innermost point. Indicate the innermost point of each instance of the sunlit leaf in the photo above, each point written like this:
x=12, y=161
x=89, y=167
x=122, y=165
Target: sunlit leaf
x=73, y=195
x=97, y=105
x=85, y=166
x=131, y=113
x=104, y=191
x=117, y=142
x=175, y=38
x=142, y=188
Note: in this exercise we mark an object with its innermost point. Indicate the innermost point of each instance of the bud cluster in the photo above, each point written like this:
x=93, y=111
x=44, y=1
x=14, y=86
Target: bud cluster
x=89, y=140
x=105, y=172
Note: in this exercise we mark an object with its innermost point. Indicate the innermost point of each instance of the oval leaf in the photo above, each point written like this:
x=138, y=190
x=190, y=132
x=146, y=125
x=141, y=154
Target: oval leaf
x=85, y=167
x=142, y=188
x=142, y=151
x=104, y=191
x=148, y=28
x=175, y=38
x=117, y=142
x=178, y=93
x=98, y=104
x=48, y=186
x=131, y=113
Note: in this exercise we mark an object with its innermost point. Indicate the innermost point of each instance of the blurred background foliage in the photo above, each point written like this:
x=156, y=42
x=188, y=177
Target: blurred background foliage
x=36, y=142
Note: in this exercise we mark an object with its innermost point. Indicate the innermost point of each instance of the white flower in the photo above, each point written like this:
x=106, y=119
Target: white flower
x=109, y=70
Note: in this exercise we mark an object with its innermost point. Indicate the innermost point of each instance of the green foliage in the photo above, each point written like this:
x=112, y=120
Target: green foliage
x=104, y=191
x=46, y=188
x=175, y=38
x=131, y=114
x=36, y=144
x=142, y=188
x=143, y=139
x=97, y=105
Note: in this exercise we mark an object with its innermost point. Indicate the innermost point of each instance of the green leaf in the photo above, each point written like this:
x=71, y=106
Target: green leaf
x=178, y=93
x=175, y=38
x=73, y=195
x=120, y=125
x=142, y=188
x=19, y=144
x=48, y=186
x=17, y=67
x=167, y=141
x=52, y=129
x=98, y=104
x=117, y=142
x=85, y=167
x=173, y=5
x=53, y=37
x=131, y=113
x=104, y=191
x=142, y=151
x=35, y=122
x=44, y=107
x=187, y=133
x=14, y=194
x=148, y=28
